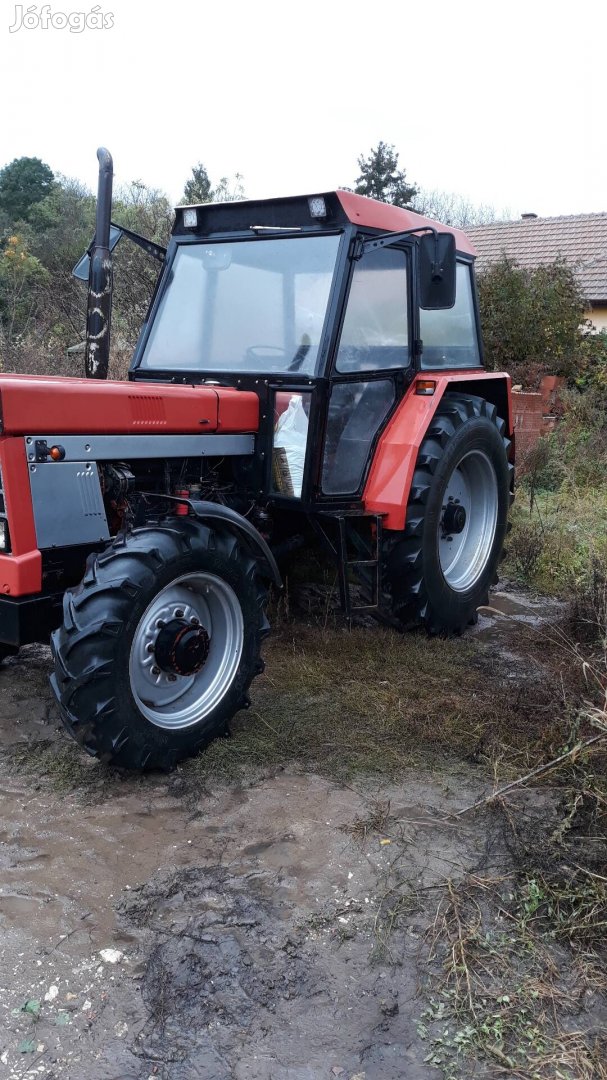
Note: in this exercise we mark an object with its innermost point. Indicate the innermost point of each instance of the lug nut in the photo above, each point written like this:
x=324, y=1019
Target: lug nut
x=155, y=670
x=179, y=613
x=172, y=678
x=159, y=624
x=194, y=621
x=149, y=648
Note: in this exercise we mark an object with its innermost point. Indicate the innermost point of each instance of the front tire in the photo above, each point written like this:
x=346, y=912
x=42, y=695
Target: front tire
x=440, y=568
x=159, y=644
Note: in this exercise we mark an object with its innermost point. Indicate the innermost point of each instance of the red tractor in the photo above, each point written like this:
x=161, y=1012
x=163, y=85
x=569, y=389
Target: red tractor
x=310, y=370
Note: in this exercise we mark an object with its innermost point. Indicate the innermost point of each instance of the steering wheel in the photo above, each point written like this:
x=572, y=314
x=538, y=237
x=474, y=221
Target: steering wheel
x=265, y=352
x=302, y=352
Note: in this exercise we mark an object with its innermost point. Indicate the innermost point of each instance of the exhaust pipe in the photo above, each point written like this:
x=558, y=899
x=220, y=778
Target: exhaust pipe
x=99, y=305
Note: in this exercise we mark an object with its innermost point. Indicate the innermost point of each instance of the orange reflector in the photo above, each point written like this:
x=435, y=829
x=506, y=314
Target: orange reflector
x=182, y=509
x=425, y=386
x=57, y=453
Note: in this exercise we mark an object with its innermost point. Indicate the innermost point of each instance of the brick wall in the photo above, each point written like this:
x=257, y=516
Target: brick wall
x=535, y=414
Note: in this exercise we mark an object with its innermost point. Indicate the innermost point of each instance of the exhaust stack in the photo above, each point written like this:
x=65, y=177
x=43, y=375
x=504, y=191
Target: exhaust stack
x=99, y=306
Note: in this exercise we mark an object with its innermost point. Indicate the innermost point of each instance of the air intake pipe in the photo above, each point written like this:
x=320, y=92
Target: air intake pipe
x=99, y=306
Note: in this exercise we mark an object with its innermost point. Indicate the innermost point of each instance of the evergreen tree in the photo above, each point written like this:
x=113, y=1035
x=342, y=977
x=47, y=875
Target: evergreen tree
x=198, y=188
x=380, y=177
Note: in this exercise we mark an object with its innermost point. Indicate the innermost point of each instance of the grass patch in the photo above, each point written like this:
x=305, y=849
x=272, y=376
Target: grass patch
x=516, y=961
x=560, y=515
x=503, y=997
x=63, y=767
x=371, y=701
x=556, y=537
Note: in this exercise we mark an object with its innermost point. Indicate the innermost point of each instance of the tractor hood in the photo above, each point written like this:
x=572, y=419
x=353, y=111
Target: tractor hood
x=32, y=403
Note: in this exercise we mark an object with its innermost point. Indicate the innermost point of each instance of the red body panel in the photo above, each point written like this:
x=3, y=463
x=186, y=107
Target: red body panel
x=45, y=405
x=389, y=481
x=20, y=572
x=377, y=215
x=33, y=404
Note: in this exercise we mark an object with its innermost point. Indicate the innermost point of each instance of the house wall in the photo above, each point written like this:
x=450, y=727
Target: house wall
x=598, y=315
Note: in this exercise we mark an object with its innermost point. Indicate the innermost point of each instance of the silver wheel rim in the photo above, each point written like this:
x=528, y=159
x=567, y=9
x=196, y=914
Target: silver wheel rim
x=464, y=555
x=172, y=701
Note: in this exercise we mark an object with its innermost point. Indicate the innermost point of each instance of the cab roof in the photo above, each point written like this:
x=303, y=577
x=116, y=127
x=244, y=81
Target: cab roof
x=294, y=212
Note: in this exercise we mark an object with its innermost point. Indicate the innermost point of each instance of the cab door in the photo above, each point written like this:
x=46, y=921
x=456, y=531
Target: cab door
x=372, y=360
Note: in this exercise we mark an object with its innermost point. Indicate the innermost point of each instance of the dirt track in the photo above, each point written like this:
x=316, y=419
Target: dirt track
x=245, y=936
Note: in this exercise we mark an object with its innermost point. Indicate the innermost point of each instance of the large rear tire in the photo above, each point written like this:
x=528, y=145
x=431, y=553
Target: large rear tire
x=159, y=644
x=440, y=568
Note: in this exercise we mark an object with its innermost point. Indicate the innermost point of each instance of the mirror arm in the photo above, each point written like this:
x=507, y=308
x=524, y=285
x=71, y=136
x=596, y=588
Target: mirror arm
x=155, y=250
x=361, y=246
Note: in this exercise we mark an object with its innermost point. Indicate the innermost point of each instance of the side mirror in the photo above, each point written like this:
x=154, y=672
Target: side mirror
x=81, y=269
x=437, y=264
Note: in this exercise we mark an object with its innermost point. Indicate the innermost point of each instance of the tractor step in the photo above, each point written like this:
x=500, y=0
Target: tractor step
x=357, y=553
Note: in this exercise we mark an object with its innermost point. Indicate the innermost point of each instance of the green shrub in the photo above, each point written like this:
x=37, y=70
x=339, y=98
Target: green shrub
x=533, y=321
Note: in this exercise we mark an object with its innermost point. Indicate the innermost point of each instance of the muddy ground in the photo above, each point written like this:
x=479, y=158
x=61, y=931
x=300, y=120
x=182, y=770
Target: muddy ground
x=275, y=928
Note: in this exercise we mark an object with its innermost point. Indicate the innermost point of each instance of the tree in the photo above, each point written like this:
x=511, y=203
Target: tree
x=455, y=210
x=23, y=184
x=532, y=320
x=199, y=188
x=21, y=276
x=148, y=212
x=228, y=189
x=380, y=177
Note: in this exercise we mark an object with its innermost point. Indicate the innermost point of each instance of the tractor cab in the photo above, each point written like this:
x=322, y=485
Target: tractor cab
x=327, y=306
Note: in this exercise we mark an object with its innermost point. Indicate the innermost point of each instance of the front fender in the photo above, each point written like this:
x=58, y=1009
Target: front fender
x=235, y=522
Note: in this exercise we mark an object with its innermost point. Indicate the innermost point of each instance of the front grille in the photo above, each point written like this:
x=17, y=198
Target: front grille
x=3, y=517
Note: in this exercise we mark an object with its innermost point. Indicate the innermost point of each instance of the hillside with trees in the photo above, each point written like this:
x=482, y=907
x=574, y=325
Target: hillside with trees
x=47, y=221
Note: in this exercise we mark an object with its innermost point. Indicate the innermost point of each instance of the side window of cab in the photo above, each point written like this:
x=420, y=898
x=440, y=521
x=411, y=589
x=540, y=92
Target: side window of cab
x=450, y=335
x=375, y=331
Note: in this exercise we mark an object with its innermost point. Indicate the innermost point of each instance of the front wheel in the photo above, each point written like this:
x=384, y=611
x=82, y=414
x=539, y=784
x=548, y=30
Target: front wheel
x=159, y=644
x=440, y=568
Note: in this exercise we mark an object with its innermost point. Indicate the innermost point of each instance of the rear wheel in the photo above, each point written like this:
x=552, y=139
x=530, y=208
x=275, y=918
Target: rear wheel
x=440, y=567
x=159, y=644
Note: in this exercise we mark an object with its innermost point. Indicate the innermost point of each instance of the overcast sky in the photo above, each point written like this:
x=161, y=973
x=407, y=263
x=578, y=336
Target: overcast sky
x=502, y=103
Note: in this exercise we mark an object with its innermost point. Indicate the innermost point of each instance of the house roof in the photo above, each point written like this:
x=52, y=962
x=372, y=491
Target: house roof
x=580, y=239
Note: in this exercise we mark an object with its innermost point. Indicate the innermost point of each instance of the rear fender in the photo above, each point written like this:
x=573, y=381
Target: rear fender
x=391, y=474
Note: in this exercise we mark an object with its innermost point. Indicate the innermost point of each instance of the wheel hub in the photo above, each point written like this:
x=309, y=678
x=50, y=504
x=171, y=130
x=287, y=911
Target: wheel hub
x=186, y=650
x=454, y=518
x=467, y=526
x=181, y=649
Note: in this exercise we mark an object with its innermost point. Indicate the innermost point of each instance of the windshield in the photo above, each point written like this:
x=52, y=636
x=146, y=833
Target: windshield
x=250, y=305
